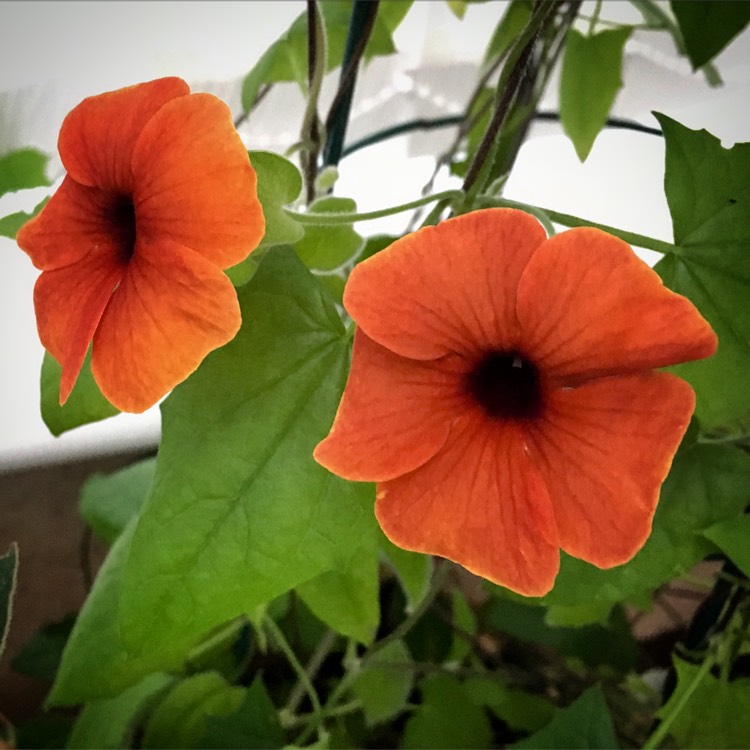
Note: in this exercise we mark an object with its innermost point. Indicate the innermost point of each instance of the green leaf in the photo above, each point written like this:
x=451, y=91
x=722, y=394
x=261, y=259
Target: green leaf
x=590, y=79
x=251, y=514
x=457, y=7
x=243, y=271
x=226, y=650
x=446, y=718
x=325, y=247
x=9, y=225
x=40, y=656
x=279, y=184
x=594, y=645
x=22, y=169
x=346, y=597
x=708, y=191
x=8, y=576
x=578, y=614
x=464, y=623
x=259, y=74
x=43, y=731
x=413, y=570
x=253, y=726
x=521, y=711
x=286, y=58
x=335, y=285
x=84, y=405
x=512, y=23
x=391, y=15
x=586, y=723
x=385, y=683
x=733, y=539
x=95, y=663
x=109, y=723
x=431, y=637
x=707, y=484
x=709, y=712
x=180, y=719
x=110, y=501
x=375, y=244
x=707, y=26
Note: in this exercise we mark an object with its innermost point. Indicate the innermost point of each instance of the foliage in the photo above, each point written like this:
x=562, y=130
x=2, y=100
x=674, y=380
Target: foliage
x=250, y=599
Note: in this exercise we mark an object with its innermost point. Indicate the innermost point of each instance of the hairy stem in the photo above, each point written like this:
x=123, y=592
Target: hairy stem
x=316, y=68
x=347, y=218
x=639, y=240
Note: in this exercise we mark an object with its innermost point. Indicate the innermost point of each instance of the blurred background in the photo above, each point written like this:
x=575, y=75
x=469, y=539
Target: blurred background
x=53, y=54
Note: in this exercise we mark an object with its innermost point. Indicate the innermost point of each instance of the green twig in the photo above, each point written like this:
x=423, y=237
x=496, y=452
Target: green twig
x=349, y=218
x=436, y=585
x=510, y=82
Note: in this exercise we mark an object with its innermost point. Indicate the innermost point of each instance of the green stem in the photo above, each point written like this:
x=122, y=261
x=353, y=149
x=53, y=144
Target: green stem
x=436, y=585
x=278, y=636
x=639, y=240
x=323, y=649
x=595, y=17
x=349, y=218
x=660, y=733
x=345, y=683
x=342, y=710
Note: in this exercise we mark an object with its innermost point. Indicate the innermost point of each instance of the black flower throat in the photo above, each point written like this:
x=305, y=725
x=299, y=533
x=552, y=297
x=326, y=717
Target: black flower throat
x=506, y=385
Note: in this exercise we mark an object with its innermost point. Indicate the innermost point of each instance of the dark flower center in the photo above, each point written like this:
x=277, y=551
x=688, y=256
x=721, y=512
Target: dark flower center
x=506, y=385
x=122, y=216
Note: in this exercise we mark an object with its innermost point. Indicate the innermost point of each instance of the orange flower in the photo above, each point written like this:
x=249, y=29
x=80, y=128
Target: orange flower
x=159, y=197
x=502, y=395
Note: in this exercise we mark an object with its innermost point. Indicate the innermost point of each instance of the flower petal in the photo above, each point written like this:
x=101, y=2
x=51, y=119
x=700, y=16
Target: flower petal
x=97, y=137
x=172, y=308
x=604, y=450
x=590, y=308
x=193, y=181
x=69, y=303
x=73, y=224
x=480, y=502
x=395, y=414
x=449, y=288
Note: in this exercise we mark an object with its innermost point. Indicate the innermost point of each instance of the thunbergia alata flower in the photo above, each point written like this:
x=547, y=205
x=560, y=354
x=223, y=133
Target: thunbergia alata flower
x=502, y=394
x=158, y=198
